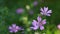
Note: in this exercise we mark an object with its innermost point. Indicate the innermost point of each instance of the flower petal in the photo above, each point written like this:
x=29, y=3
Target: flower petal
x=41, y=10
x=16, y=31
x=17, y=27
x=42, y=13
x=11, y=31
x=43, y=21
x=34, y=28
x=48, y=14
x=34, y=23
x=10, y=27
x=39, y=19
x=50, y=11
x=41, y=27
x=45, y=9
x=13, y=25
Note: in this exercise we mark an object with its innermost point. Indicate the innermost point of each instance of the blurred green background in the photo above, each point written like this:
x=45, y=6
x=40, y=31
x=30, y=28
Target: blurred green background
x=9, y=16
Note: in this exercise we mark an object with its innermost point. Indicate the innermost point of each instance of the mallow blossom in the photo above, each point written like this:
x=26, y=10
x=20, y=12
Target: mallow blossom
x=45, y=11
x=35, y=3
x=58, y=26
x=19, y=10
x=39, y=23
x=14, y=28
x=31, y=12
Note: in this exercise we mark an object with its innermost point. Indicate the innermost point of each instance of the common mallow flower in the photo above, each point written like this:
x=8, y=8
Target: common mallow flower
x=38, y=24
x=35, y=3
x=45, y=11
x=31, y=12
x=14, y=28
x=58, y=26
x=19, y=10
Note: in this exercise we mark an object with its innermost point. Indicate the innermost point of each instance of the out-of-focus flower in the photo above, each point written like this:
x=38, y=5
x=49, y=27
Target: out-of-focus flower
x=14, y=28
x=19, y=10
x=45, y=11
x=35, y=3
x=28, y=29
x=27, y=7
x=31, y=12
x=38, y=24
x=25, y=19
x=58, y=26
x=36, y=33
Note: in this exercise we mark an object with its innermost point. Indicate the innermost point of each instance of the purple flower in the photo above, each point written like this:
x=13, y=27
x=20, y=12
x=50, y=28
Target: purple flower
x=20, y=10
x=38, y=24
x=31, y=12
x=35, y=3
x=58, y=26
x=14, y=28
x=45, y=11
